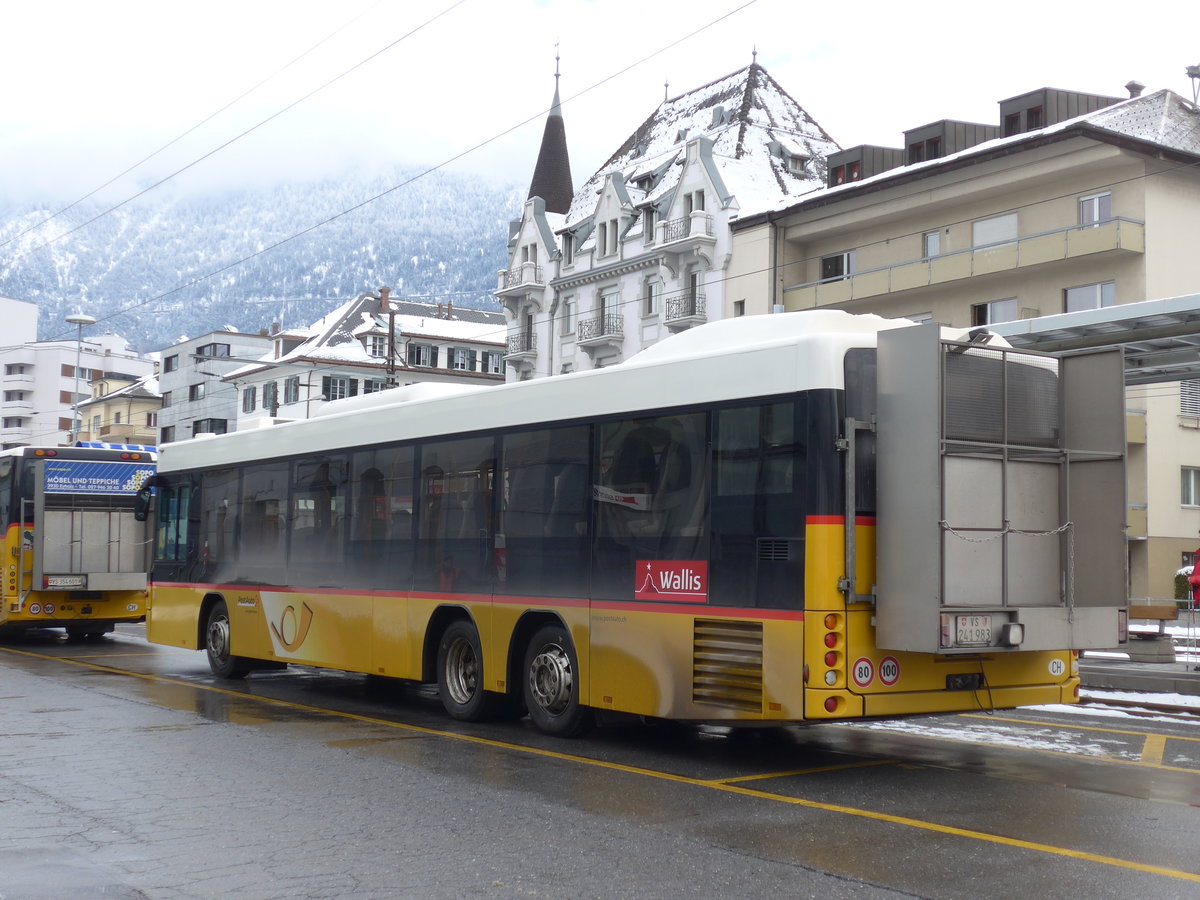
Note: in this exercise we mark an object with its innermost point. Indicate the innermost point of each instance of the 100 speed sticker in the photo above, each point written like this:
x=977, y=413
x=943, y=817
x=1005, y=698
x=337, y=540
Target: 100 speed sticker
x=863, y=671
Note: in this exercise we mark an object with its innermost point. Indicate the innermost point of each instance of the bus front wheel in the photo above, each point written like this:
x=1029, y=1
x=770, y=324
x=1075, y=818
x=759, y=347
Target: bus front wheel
x=460, y=674
x=217, y=634
x=551, y=684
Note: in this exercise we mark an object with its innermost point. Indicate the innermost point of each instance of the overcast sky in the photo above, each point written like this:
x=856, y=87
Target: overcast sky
x=92, y=87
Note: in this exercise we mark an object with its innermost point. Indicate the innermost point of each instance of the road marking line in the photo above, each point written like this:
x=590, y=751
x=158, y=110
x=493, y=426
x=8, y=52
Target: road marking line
x=1067, y=727
x=1115, y=760
x=856, y=812
x=1152, y=752
x=814, y=771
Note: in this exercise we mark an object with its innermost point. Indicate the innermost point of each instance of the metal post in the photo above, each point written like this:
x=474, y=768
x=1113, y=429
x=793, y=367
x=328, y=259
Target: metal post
x=79, y=320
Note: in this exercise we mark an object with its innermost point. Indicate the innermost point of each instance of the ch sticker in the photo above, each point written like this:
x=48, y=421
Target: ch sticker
x=292, y=629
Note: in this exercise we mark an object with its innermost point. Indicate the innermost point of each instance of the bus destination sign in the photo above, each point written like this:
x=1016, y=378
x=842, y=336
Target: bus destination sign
x=83, y=476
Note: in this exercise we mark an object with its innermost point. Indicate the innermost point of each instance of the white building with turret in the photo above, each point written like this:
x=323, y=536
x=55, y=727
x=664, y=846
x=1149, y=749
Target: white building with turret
x=642, y=249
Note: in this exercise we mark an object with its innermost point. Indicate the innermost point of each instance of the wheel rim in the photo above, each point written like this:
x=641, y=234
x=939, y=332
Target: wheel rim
x=218, y=638
x=462, y=671
x=550, y=679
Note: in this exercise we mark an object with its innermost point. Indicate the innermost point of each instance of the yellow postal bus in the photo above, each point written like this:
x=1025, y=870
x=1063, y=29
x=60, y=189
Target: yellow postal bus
x=778, y=519
x=74, y=556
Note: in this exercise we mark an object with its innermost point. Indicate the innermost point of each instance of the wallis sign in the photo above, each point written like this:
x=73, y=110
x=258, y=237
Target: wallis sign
x=677, y=581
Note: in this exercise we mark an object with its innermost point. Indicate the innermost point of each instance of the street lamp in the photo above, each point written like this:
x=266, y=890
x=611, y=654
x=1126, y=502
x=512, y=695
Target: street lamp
x=78, y=319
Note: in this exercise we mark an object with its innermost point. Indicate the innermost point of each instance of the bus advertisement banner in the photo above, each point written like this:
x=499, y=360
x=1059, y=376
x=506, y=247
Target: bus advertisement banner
x=79, y=476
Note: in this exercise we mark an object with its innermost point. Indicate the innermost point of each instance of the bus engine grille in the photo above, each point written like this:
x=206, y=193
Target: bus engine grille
x=727, y=664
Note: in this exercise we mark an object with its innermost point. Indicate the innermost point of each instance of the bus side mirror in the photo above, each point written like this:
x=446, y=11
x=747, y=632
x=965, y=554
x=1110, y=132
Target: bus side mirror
x=141, y=500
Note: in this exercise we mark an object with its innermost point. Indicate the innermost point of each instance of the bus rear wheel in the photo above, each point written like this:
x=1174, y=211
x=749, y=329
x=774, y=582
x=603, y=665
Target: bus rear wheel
x=551, y=684
x=217, y=634
x=460, y=674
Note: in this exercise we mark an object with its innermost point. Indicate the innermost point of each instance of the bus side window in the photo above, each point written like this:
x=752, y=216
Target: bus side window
x=218, y=522
x=543, y=513
x=382, y=515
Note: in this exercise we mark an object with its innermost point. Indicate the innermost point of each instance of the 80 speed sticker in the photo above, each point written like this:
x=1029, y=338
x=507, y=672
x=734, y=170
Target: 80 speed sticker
x=863, y=672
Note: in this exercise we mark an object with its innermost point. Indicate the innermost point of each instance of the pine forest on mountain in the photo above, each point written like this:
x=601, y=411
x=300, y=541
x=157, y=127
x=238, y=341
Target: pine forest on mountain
x=441, y=238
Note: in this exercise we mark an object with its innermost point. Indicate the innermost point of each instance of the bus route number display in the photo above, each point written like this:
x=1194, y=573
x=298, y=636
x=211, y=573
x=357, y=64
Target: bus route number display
x=82, y=476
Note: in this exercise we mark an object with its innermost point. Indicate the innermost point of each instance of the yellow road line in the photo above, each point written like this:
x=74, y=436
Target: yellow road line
x=717, y=785
x=1152, y=751
x=814, y=771
x=1115, y=760
x=1102, y=730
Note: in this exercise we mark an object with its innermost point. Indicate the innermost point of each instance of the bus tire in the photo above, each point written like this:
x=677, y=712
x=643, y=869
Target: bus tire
x=217, y=634
x=460, y=674
x=551, y=684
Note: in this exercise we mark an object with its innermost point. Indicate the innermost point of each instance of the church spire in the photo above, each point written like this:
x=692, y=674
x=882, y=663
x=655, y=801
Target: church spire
x=552, y=174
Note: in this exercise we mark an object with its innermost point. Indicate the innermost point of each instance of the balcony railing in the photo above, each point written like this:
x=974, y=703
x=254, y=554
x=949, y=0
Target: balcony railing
x=521, y=274
x=607, y=325
x=689, y=226
x=688, y=306
x=1049, y=246
x=522, y=342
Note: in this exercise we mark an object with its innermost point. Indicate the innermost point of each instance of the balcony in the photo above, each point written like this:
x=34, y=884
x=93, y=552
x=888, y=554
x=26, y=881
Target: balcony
x=686, y=311
x=524, y=283
x=1112, y=236
x=23, y=382
x=521, y=345
x=693, y=234
x=15, y=434
x=605, y=330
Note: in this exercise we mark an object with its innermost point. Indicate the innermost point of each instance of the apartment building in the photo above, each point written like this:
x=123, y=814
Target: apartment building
x=195, y=400
x=40, y=382
x=123, y=409
x=1072, y=202
x=366, y=345
x=640, y=251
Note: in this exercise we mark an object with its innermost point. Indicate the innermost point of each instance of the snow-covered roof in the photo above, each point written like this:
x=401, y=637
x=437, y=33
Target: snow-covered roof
x=748, y=117
x=144, y=388
x=1162, y=119
x=338, y=336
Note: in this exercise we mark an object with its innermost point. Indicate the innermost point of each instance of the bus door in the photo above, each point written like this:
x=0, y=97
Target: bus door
x=84, y=535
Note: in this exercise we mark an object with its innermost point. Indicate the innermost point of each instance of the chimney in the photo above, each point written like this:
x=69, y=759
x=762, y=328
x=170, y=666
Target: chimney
x=449, y=309
x=384, y=302
x=1135, y=89
x=274, y=328
x=262, y=332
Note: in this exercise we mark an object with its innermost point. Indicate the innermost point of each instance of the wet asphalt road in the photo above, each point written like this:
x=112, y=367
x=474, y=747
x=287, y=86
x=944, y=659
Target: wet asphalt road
x=127, y=771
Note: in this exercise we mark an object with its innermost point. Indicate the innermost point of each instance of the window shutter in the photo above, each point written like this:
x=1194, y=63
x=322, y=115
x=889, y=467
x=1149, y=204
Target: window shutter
x=326, y=386
x=352, y=391
x=412, y=354
x=433, y=357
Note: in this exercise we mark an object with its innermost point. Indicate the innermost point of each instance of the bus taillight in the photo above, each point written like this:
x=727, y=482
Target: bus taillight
x=835, y=641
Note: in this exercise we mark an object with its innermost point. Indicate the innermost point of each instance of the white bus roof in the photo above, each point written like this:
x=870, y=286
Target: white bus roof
x=742, y=358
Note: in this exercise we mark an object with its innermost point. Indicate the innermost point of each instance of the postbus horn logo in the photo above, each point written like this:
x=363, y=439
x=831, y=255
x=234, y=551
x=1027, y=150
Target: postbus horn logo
x=288, y=625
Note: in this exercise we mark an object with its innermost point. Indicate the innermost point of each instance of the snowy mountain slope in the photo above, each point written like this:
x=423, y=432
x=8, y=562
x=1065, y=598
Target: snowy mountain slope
x=141, y=269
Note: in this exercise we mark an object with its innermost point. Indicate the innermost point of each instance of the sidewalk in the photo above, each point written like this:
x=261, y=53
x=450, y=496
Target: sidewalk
x=1114, y=674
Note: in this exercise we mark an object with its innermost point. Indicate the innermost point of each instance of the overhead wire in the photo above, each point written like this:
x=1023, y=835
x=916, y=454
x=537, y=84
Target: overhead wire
x=137, y=165
x=428, y=171
x=238, y=137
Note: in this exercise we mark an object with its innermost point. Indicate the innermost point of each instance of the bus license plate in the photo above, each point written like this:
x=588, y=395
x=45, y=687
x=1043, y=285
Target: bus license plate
x=973, y=630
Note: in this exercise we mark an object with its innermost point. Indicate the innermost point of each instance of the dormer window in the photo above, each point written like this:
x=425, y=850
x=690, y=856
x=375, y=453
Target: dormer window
x=376, y=345
x=693, y=202
x=797, y=164
x=681, y=135
x=568, y=248
x=644, y=182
